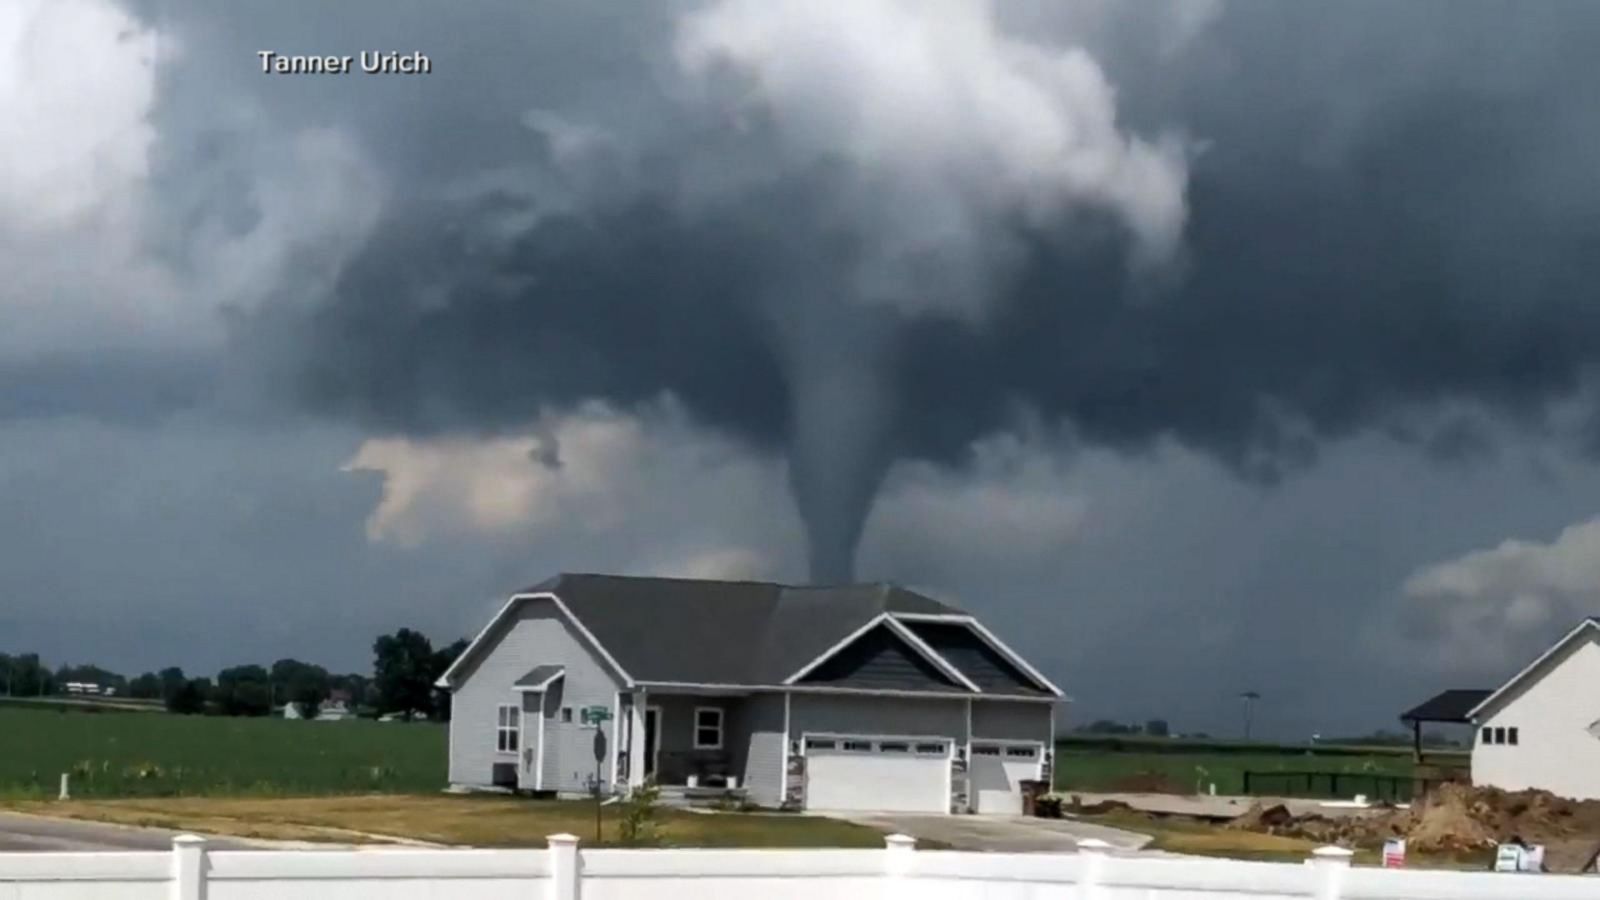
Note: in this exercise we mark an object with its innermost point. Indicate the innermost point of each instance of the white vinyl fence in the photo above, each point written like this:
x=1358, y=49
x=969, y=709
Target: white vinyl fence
x=897, y=872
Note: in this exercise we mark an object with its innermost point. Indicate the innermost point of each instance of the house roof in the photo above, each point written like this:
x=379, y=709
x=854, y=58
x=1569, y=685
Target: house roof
x=702, y=632
x=539, y=677
x=1453, y=705
x=1582, y=629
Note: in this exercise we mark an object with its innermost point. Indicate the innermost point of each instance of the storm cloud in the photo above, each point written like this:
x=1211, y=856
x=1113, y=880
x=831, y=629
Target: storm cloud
x=848, y=246
x=861, y=245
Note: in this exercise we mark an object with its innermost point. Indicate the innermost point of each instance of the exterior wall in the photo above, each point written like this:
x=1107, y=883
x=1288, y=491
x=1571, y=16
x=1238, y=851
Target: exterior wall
x=1011, y=720
x=678, y=756
x=1552, y=712
x=759, y=724
x=880, y=659
x=537, y=635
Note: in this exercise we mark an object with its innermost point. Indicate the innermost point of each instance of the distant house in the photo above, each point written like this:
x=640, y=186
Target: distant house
x=336, y=708
x=1541, y=729
x=292, y=711
x=864, y=697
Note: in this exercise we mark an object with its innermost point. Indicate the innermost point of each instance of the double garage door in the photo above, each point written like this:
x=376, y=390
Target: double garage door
x=872, y=773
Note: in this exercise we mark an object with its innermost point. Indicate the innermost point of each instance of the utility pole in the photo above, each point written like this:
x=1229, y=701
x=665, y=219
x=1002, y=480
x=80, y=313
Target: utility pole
x=1249, y=698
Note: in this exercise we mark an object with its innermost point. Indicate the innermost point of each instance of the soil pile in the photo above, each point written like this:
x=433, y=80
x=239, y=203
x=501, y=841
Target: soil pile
x=1451, y=819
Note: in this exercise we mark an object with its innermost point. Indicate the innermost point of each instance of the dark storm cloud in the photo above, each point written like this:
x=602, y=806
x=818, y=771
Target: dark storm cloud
x=1393, y=211
x=1433, y=255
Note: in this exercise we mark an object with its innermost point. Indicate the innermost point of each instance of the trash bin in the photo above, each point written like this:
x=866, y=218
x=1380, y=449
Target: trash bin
x=1031, y=792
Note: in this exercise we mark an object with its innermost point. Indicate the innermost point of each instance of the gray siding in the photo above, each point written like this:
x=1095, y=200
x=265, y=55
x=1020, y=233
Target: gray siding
x=759, y=722
x=844, y=714
x=537, y=635
x=880, y=659
x=1011, y=720
x=973, y=657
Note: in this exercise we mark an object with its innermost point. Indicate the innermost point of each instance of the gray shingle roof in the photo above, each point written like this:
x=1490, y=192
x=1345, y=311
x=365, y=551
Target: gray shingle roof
x=723, y=632
x=1447, y=706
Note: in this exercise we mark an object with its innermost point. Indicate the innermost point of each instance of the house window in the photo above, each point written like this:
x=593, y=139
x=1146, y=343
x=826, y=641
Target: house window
x=1499, y=735
x=931, y=749
x=815, y=744
x=893, y=747
x=858, y=746
x=566, y=715
x=1488, y=735
x=1511, y=736
x=986, y=750
x=1020, y=752
x=707, y=728
x=508, y=729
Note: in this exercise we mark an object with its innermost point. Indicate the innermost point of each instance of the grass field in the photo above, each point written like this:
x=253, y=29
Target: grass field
x=112, y=754
x=478, y=821
x=1124, y=765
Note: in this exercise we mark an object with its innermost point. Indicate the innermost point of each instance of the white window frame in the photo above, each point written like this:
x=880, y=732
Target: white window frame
x=722, y=720
x=502, y=728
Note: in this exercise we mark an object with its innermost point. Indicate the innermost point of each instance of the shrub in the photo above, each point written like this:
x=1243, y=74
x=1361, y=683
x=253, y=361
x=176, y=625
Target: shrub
x=638, y=825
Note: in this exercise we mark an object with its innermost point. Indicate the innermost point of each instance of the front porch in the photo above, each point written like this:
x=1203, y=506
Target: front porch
x=694, y=745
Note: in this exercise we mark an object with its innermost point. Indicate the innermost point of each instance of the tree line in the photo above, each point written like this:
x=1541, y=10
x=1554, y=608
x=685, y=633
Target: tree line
x=405, y=667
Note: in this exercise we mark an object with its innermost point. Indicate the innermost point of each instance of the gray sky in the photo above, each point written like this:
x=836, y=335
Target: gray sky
x=1198, y=346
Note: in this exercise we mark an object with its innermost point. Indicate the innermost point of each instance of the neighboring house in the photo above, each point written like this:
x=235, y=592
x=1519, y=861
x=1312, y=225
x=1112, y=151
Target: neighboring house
x=867, y=697
x=334, y=709
x=1541, y=729
x=292, y=711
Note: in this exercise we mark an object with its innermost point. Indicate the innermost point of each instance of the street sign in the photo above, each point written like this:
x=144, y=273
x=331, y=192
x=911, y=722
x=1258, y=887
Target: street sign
x=594, y=715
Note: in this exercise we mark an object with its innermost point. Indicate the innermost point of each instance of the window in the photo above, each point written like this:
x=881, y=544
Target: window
x=893, y=747
x=931, y=749
x=858, y=746
x=707, y=728
x=1499, y=735
x=1488, y=735
x=1020, y=752
x=815, y=744
x=986, y=750
x=566, y=715
x=507, y=729
x=1511, y=736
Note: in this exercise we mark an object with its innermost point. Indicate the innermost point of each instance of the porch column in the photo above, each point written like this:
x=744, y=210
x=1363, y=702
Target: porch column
x=636, y=746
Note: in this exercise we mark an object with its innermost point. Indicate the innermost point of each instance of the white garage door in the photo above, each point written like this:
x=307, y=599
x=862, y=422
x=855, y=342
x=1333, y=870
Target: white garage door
x=889, y=774
x=998, y=771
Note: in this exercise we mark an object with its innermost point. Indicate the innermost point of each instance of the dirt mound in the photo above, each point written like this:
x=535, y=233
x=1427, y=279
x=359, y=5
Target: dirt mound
x=1261, y=817
x=1148, y=783
x=1451, y=819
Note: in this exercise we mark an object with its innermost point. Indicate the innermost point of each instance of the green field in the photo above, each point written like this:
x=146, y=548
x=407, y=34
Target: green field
x=131, y=754
x=1164, y=765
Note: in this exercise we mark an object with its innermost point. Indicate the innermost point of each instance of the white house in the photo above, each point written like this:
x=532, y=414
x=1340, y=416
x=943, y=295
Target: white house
x=1541, y=729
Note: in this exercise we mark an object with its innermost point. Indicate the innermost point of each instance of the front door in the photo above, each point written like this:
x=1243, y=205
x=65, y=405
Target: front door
x=652, y=739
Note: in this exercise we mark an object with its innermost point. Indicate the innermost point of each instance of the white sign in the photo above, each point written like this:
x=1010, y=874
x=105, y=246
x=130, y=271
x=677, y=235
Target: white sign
x=1394, y=853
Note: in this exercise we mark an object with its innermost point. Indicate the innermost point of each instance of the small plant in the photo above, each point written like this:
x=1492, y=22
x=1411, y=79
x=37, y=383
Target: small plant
x=638, y=825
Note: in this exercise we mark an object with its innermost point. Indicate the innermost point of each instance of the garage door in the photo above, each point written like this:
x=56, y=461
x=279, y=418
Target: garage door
x=998, y=771
x=889, y=774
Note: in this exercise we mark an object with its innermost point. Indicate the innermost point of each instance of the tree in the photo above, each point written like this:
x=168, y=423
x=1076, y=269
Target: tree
x=172, y=681
x=244, y=691
x=189, y=698
x=29, y=677
x=146, y=687
x=302, y=683
x=443, y=658
x=402, y=668
x=1157, y=728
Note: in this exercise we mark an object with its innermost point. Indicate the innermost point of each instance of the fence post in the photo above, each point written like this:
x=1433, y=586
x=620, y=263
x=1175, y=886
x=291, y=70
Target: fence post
x=65, y=794
x=563, y=867
x=1092, y=853
x=898, y=857
x=1329, y=865
x=188, y=867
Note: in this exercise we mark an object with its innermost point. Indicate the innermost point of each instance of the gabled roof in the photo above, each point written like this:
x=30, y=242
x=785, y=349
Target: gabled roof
x=733, y=633
x=1583, y=629
x=1453, y=705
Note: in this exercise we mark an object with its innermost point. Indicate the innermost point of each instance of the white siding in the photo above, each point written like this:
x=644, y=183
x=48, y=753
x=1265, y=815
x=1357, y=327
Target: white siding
x=537, y=635
x=1552, y=711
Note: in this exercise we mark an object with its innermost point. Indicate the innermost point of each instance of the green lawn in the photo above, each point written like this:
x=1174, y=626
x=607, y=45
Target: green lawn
x=1125, y=766
x=111, y=754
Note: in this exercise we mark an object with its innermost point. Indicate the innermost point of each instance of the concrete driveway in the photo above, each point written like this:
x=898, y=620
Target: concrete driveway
x=1004, y=834
x=23, y=833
